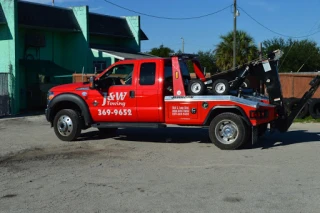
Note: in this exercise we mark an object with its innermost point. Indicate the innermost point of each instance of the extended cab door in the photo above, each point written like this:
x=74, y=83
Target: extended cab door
x=148, y=92
x=116, y=103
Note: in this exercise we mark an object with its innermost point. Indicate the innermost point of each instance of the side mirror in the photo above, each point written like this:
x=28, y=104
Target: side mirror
x=92, y=82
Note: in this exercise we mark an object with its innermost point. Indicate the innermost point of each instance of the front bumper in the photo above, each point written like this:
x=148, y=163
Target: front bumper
x=47, y=113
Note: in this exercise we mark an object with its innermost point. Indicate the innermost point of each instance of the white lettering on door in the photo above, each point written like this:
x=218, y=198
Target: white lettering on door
x=121, y=96
x=114, y=99
x=180, y=110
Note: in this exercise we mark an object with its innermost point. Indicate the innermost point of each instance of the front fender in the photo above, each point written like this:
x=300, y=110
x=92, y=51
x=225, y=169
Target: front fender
x=68, y=97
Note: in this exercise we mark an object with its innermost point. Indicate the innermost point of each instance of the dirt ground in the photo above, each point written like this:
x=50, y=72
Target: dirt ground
x=155, y=170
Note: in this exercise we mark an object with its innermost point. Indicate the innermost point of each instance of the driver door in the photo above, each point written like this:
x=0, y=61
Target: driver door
x=116, y=102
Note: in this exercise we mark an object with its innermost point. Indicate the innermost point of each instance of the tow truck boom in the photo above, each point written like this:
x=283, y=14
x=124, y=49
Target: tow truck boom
x=265, y=70
x=284, y=124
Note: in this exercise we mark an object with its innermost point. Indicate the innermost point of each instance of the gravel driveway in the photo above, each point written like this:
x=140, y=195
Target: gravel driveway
x=155, y=170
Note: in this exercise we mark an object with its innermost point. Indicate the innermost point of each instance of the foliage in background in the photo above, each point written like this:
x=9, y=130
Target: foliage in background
x=298, y=54
x=207, y=59
x=246, y=50
x=304, y=54
x=161, y=51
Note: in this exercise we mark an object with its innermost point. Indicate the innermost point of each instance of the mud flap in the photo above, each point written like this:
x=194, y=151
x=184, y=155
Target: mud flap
x=254, y=135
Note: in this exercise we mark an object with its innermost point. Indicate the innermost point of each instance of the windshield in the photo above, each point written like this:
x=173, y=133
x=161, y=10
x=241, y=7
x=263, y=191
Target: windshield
x=122, y=71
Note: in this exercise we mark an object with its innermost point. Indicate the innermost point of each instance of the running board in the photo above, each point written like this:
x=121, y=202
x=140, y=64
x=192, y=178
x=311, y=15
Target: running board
x=128, y=125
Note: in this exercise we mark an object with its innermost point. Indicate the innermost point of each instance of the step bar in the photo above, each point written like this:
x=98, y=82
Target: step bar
x=128, y=125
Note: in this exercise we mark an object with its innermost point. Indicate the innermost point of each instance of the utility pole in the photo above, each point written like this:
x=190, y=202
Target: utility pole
x=261, y=82
x=260, y=51
x=182, y=45
x=234, y=32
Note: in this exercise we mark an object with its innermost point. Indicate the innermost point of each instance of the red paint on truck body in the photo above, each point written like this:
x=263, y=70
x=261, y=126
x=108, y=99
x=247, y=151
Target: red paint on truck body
x=144, y=99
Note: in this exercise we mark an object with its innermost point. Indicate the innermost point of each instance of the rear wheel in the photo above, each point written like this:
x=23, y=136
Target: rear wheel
x=67, y=125
x=292, y=105
x=228, y=131
x=314, y=108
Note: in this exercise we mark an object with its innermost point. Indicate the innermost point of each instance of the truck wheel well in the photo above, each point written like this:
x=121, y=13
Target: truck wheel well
x=64, y=105
x=216, y=111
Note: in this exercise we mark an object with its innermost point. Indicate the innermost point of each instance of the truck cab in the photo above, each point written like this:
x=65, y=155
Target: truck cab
x=132, y=90
x=153, y=93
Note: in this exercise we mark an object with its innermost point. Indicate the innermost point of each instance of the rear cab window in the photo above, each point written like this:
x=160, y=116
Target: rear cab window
x=147, y=73
x=168, y=69
x=168, y=83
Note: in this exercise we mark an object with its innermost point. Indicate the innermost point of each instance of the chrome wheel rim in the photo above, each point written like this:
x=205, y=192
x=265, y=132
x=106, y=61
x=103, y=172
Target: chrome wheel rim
x=65, y=125
x=226, y=132
x=195, y=87
x=220, y=88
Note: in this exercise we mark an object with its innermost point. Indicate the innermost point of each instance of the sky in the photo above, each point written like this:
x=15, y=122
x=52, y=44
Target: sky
x=291, y=18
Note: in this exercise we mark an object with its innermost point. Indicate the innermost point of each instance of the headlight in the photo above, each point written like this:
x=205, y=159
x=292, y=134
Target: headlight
x=49, y=97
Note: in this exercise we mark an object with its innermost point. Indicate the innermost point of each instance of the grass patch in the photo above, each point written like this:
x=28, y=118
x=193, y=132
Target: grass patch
x=308, y=119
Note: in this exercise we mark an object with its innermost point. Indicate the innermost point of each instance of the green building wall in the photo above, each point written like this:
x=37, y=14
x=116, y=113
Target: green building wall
x=76, y=56
x=69, y=50
x=134, y=24
x=8, y=51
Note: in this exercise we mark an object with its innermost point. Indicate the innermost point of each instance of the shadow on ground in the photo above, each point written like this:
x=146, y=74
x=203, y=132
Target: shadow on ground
x=200, y=135
x=165, y=135
x=284, y=139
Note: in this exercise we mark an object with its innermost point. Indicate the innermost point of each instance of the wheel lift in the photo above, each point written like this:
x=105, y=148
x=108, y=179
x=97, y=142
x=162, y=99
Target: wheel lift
x=266, y=71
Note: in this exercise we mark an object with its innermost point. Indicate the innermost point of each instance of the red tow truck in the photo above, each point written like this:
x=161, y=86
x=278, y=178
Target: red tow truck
x=156, y=92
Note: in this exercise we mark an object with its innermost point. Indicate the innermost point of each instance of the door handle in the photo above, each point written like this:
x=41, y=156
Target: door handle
x=132, y=95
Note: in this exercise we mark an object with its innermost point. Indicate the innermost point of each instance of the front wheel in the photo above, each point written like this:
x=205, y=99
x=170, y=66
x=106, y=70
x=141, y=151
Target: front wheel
x=67, y=125
x=228, y=131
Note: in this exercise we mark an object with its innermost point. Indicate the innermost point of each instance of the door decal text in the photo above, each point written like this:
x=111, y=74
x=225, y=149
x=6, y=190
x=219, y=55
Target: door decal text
x=114, y=99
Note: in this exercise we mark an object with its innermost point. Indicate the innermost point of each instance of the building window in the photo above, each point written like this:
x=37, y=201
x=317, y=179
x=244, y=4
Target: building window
x=147, y=74
x=99, y=66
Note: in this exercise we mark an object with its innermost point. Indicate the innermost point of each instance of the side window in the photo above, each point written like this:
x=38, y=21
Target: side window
x=147, y=74
x=123, y=71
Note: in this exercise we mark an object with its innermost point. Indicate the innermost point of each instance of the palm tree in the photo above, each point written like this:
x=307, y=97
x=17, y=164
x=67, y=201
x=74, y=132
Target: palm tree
x=246, y=50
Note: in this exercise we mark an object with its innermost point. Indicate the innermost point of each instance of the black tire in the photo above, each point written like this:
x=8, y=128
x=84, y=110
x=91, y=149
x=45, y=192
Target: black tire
x=292, y=104
x=314, y=108
x=236, y=123
x=196, y=87
x=287, y=103
x=70, y=125
x=220, y=87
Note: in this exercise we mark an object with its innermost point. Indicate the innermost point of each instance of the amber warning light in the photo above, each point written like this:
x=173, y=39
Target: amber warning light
x=177, y=74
